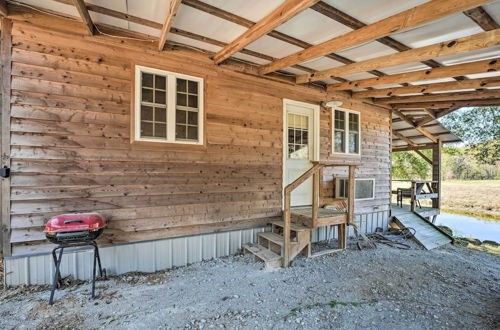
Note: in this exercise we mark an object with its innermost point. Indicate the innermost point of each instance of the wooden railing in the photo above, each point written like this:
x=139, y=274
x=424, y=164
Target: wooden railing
x=418, y=192
x=316, y=171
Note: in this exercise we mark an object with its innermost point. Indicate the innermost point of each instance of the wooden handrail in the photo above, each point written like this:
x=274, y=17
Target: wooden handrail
x=315, y=171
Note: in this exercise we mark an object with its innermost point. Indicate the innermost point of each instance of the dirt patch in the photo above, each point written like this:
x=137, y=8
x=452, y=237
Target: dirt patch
x=449, y=287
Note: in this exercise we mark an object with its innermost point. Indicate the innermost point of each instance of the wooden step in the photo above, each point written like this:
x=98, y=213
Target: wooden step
x=275, y=238
x=293, y=226
x=272, y=260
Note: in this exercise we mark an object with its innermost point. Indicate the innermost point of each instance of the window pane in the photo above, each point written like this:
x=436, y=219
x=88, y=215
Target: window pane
x=146, y=129
x=353, y=142
x=339, y=142
x=364, y=189
x=192, y=133
x=180, y=117
x=146, y=113
x=339, y=119
x=353, y=122
x=160, y=130
x=192, y=118
x=160, y=115
x=160, y=82
x=180, y=131
x=193, y=87
x=147, y=95
x=181, y=99
x=193, y=101
x=181, y=85
x=160, y=97
x=147, y=80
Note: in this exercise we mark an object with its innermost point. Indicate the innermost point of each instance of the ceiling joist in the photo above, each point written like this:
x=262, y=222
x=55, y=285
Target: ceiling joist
x=277, y=17
x=405, y=20
x=448, y=104
x=427, y=74
x=457, y=96
x=172, y=11
x=482, y=18
x=466, y=44
x=422, y=130
x=429, y=88
x=84, y=15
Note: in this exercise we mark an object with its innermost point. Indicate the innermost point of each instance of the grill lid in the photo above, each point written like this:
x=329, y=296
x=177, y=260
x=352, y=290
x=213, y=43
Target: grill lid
x=75, y=222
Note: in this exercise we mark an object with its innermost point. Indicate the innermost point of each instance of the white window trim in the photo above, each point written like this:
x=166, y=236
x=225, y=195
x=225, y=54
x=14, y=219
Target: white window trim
x=171, y=104
x=337, y=187
x=346, y=111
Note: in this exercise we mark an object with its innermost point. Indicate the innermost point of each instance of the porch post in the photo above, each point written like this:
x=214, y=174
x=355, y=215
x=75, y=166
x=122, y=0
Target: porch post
x=436, y=173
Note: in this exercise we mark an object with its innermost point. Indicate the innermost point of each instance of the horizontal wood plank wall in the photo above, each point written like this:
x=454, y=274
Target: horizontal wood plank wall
x=71, y=152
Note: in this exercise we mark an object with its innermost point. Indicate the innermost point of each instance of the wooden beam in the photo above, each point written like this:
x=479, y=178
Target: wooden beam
x=404, y=138
x=172, y=11
x=482, y=18
x=448, y=104
x=5, y=161
x=456, y=96
x=436, y=172
x=422, y=130
x=277, y=17
x=405, y=20
x=84, y=15
x=421, y=154
x=440, y=114
x=429, y=88
x=3, y=8
x=490, y=65
x=451, y=47
x=355, y=24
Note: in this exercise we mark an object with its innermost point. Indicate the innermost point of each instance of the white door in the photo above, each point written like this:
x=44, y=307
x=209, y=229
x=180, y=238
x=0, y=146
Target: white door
x=301, y=136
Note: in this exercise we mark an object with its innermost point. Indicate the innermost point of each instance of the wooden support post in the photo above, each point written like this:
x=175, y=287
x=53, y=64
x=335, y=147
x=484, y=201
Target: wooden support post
x=350, y=194
x=413, y=193
x=436, y=173
x=286, y=230
x=315, y=198
x=6, y=58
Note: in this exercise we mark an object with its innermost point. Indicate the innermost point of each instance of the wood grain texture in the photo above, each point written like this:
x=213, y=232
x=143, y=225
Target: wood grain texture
x=280, y=15
x=450, y=47
x=84, y=15
x=71, y=147
x=169, y=20
x=407, y=19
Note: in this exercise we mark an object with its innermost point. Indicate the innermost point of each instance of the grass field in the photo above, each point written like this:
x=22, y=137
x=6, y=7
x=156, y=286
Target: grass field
x=479, y=198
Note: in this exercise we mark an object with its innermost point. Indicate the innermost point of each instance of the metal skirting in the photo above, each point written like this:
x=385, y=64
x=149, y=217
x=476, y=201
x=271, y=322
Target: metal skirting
x=155, y=255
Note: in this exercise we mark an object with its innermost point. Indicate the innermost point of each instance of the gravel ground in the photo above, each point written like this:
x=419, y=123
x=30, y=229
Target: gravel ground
x=383, y=288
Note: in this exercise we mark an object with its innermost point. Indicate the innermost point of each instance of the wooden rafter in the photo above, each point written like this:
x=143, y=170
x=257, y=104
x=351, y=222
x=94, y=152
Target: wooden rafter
x=429, y=88
x=436, y=73
x=404, y=138
x=449, y=104
x=422, y=130
x=3, y=8
x=457, y=96
x=451, y=47
x=84, y=15
x=169, y=19
x=419, y=147
x=407, y=19
x=277, y=17
x=437, y=115
x=482, y=18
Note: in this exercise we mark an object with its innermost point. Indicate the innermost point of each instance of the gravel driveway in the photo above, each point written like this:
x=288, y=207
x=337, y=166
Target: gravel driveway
x=383, y=288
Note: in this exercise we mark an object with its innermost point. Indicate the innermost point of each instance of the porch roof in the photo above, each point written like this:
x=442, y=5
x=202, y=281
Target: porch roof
x=419, y=59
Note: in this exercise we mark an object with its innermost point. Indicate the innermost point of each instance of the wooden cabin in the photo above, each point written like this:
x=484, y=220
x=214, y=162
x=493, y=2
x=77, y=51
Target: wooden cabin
x=200, y=127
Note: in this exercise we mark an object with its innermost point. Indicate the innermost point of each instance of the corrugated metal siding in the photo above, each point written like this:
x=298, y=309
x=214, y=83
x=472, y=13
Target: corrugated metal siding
x=155, y=255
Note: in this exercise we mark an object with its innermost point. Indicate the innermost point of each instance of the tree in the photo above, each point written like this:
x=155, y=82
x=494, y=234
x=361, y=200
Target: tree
x=408, y=165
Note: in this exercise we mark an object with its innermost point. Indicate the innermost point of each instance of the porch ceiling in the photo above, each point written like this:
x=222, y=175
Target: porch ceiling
x=307, y=40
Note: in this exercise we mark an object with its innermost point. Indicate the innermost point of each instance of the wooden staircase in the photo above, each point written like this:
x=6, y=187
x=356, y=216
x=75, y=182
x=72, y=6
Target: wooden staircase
x=290, y=237
x=271, y=245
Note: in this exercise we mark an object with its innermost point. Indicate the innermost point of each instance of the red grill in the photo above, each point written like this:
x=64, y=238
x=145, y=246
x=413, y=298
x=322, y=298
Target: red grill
x=74, y=230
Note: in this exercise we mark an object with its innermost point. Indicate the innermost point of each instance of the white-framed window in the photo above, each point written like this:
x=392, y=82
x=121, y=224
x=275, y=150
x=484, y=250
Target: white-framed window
x=346, y=132
x=168, y=107
x=365, y=188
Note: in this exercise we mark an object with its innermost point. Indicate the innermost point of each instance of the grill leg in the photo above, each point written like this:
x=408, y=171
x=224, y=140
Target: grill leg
x=56, y=275
x=98, y=259
x=94, y=269
x=55, y=264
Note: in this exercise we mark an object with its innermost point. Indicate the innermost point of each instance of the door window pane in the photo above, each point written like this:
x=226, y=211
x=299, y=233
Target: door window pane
x=298, y=136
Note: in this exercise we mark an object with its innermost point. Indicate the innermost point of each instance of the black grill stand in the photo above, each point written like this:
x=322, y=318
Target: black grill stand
x=57, y=262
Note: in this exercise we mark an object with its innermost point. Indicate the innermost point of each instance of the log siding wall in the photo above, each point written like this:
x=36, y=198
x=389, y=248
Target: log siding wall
x=71, y=152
